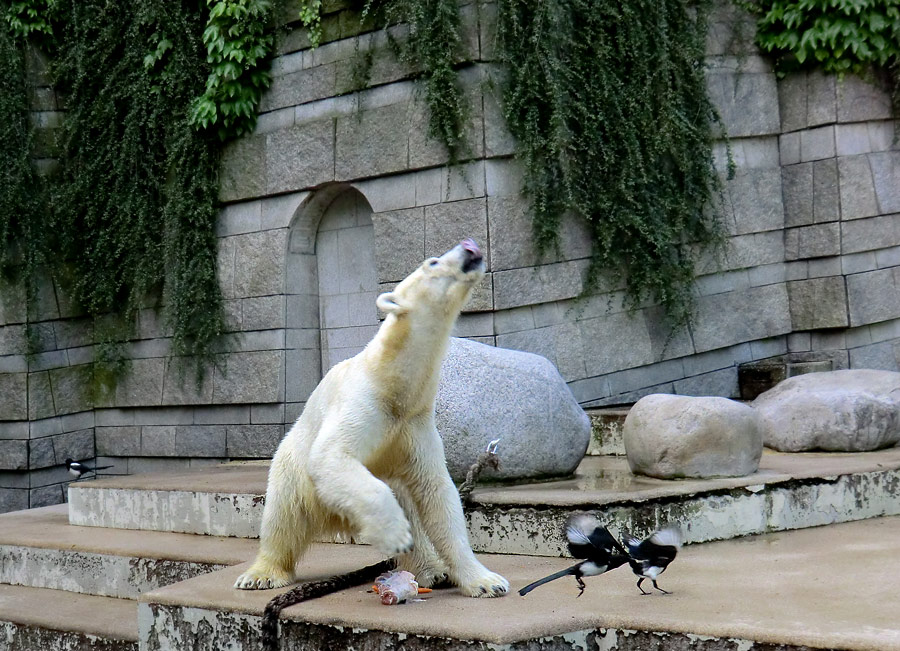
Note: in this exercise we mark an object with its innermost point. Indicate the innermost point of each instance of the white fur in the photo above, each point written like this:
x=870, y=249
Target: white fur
x=365, y=457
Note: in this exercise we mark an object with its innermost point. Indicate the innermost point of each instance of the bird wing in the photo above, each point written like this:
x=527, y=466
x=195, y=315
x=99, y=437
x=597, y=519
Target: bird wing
x=668, y=537
x=659, y=548
x=588, y=538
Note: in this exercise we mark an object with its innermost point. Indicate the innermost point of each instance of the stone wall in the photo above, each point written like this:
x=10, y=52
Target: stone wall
x=811, y=267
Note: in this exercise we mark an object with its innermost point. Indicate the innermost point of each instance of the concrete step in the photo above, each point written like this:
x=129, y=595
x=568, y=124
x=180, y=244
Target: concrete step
x=606, y=430
x=40, y=549
x=822, y=588
x=33, y=619
x=790, y=491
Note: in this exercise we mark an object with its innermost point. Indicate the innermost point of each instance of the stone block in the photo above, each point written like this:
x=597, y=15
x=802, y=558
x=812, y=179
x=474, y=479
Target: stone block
x=615, y=342
x=14, y=396
x=74, y=333
x=503, y=178
x=118, y=441
x=300, y=157
x=446, y=224
x=399, y=243
x=253, y=441
x=870, y=234
x=41, y=454
x=141, y=384
x=427, y=151
x=46, y=496
x=158, y=441
x=551, y=282
x=884, y=356
x=561, y=344
x=74, y=445
x=818, y=303
x=821, y=102
x=394, y=192
x=250, y=377
x=857, y=187
x=300, y=87
x=12, y=499
x=723, y=383
x=747, y=102
x=814, y=241
x=756, y=201
x=789, y=148
x=888, y=257
x=792, y=101
x=12, y=303
x=200, y=441
x=372, y=143
x=745, y=251
x=72, y=389
x=237, y=218
x=816, y=144
x=727, y=319
x=873, y=296
x=797, y=183
x=13, y=340
x=671, y=437
x=222, y=415
x=886, y=175
x=259, y=263
x=512, y=241
x=266, y=414
x=13, y=455
x=852, y=139
x=263, y=312
x=498, y=140
x=280, y=211
x=180, y=385
x=275, y=120
x=859, y=101
x=826, y=191
x=40, y=396
x=855, y=263
x=302, y=310
x=243, y=170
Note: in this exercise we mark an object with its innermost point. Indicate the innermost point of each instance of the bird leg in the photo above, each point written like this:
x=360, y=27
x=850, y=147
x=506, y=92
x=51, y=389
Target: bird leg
x=580, y=585
x=660, y=589
x=640, y=581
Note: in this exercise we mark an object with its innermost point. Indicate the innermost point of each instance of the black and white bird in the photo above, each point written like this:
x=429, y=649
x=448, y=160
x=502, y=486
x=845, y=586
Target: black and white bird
x=650, y=557
x=590, y=540
x=79, y=470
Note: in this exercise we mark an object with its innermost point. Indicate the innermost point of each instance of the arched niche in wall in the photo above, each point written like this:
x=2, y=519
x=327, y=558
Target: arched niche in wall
x=331, y=286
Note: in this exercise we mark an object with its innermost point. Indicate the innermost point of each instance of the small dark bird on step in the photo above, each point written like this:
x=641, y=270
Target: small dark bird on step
x=79, y=470
x=590, y=540
x=650, y=557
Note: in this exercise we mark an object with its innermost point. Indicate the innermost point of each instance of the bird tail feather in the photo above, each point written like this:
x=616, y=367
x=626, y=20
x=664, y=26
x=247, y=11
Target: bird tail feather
x=547, y=579
x=103, y=467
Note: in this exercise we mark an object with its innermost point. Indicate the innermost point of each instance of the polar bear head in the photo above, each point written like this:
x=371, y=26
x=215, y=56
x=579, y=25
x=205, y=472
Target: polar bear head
x=440, y=285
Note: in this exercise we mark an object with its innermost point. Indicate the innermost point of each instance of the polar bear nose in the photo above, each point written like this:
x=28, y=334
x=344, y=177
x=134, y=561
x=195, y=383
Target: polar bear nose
x=469, y=245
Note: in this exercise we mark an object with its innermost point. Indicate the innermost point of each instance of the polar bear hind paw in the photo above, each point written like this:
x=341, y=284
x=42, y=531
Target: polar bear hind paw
x=487, y=585
x=259, y=580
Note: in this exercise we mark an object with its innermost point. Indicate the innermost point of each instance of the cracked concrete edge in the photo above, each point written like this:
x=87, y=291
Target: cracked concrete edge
x=168, y=627
x=15, y=636
x=795, y=504
x=105, y=575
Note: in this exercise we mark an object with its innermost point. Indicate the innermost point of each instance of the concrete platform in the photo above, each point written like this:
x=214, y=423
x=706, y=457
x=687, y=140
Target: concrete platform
x=790, y=491
x=824, y=588
x=39, y=548
x=34, y=618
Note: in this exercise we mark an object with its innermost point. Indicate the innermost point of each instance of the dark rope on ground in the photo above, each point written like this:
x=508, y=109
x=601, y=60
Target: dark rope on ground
x=316, y=589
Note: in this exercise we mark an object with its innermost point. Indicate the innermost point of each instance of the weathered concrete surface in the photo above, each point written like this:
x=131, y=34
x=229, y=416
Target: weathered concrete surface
x=35, y=618
x=790, y=491
x=847, y=410
x=673, y=437
x=606, y=431
x=40, y=549
x=488, y=393
x=811, y=588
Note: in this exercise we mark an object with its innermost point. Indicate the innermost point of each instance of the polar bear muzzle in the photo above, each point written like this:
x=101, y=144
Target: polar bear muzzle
x=472, y=257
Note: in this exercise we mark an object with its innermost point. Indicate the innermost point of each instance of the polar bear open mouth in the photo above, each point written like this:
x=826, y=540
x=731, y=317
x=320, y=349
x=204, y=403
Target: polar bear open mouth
x=473, y=258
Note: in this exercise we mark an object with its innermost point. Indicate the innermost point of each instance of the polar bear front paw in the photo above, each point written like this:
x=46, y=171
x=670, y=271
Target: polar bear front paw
x=254, y=579
x=487, y=585
x=392, y=539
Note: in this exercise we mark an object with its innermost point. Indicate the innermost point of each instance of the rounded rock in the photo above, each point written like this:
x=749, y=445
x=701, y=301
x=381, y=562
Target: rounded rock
x=489, y=393
x=839, y=411
x=673, y=437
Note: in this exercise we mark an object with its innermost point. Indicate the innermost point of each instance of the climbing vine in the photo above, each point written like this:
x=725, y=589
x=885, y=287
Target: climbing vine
x=608, y=103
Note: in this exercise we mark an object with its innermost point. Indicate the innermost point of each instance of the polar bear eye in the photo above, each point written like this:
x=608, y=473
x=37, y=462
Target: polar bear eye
x=433, y=262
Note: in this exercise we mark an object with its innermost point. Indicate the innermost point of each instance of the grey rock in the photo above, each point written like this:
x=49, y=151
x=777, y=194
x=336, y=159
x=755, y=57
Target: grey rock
x=41, y=455
x=300, y=157
x=249, y=441
x=399, y=242
x=814, y=241
x=487, y=393
x=14, y=396
x=848, y=411
x=874, y=296
x=818, y=303
x=13, y=455
x=371, y=143
x=870, y=234
x=671, y=437
x=118, y=441
x=200, y=441
x=857, y=187
x=75, y=445
x=243, y=170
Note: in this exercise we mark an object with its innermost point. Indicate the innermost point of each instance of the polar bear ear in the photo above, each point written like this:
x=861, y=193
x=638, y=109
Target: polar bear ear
x=387, y=302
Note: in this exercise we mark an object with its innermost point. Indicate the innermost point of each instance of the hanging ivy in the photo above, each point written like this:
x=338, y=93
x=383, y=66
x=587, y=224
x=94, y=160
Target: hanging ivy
x=608, y=103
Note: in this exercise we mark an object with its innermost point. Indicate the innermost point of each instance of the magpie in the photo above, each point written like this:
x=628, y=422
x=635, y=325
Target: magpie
x=78, y=470
x=590, y=540
x=650, y=557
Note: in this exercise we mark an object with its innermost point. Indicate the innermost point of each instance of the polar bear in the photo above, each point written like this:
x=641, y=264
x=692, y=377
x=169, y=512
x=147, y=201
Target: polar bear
x=365, y=457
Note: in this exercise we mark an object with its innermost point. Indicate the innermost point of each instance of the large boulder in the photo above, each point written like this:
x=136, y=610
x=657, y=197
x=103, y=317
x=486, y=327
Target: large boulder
x=488, y=393
x=672, y=437
x=846, y=411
